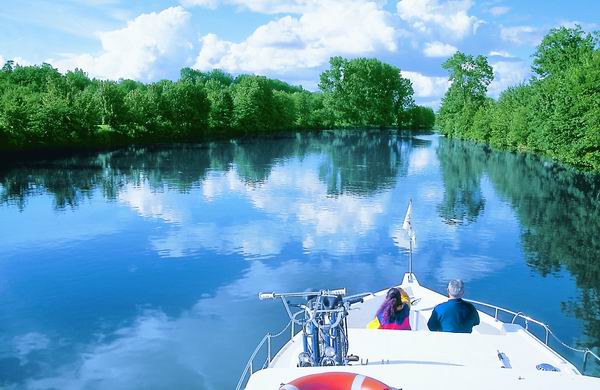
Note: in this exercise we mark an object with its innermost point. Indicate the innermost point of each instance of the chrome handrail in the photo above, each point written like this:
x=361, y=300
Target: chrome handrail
x=586, y=352
x=249, y=368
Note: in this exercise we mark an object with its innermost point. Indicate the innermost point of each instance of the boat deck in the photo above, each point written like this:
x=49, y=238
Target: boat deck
x=375, y=347
x=419, y=376
x=420, y=359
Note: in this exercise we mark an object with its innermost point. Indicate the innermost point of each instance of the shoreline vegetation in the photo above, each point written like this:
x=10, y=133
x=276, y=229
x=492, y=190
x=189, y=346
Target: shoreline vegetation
x=42, y=110
x=555, y=114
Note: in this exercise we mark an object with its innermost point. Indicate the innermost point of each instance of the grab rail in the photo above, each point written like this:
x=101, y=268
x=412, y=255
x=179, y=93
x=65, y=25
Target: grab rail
x=586, y=352
x=249, y=368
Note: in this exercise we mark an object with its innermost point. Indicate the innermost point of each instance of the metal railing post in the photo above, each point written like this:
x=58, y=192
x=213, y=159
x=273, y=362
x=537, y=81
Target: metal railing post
x=269, y=348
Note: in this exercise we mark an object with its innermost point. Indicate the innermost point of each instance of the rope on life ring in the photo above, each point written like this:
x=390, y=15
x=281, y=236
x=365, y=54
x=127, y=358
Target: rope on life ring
x=335, y=381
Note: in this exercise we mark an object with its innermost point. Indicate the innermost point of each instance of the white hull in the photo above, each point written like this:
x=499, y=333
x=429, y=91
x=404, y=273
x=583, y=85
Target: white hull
x=420, y=359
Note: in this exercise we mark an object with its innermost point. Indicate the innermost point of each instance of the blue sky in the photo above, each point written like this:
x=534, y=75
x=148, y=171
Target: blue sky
x=287, y=39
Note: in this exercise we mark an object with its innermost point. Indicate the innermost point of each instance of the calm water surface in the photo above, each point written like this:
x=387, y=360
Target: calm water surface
x=139, y=268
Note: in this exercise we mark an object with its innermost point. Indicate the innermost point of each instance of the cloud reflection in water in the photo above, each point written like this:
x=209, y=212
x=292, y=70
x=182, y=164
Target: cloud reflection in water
x=292, y=204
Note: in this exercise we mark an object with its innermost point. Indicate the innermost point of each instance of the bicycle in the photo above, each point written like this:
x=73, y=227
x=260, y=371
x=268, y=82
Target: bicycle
x=324, y=324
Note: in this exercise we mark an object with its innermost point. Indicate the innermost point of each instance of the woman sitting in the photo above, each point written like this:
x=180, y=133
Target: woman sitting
x=394, y=311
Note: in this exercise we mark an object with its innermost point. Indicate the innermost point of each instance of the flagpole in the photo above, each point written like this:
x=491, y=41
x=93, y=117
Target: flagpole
x=410, y=257
x=406, y=225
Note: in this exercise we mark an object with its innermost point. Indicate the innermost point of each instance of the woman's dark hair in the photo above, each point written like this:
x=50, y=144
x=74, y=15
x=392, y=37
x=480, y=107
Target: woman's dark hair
x=393, y=299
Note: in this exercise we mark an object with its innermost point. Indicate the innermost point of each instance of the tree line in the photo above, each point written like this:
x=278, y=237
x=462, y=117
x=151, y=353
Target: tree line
x=556, y=113
x=40, y=107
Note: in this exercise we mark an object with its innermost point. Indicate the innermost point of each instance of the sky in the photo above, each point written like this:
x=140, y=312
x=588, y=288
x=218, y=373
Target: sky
x=291, y=40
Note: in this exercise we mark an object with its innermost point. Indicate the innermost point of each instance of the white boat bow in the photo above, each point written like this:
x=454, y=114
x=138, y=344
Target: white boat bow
x=497, y=355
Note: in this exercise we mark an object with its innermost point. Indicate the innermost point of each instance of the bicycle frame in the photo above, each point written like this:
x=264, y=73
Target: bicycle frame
x=324, y=325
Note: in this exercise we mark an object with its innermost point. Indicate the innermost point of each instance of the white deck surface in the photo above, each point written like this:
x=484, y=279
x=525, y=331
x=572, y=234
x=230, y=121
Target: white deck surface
x=418, y=376
x=420, y=359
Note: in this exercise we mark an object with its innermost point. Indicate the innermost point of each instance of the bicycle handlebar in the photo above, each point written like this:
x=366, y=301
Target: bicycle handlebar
x=264, y=296
x=311, y=311
x=272, y=295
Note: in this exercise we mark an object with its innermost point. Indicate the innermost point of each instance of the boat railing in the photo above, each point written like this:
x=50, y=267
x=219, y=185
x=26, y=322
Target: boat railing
x=547, y=331
x=267, y=343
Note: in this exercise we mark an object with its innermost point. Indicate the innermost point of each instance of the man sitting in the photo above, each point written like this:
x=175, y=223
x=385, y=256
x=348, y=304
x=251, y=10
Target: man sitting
x=455, y=315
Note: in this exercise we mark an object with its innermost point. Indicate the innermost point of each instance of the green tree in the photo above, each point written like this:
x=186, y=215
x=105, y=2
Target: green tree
x=111, y=103
x=148, y=112
x=561, y=49
x=365, y=91
x=469, y=77
x=188, y=107
x=253, y=103
x=16, y=106
x=221, y=105
x=34, y=77
x=555, y=114
x=419, y=117
x=284, y=110
x=76, y=81
x=510, y=119
x=196, y=76
x=309, y=107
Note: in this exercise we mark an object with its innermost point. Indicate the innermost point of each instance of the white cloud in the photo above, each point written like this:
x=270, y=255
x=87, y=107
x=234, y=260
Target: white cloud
x=210, y=4
x=261, y=6
x=99, y=3
x=447, y=18
x=150, y=204
x=249, y=240
x=30, y=342
x=324, y=29
x=584, y=25
x=150, y=46
x=17, y=61
x=522, y=35
x=427, y=86
x=500, y=53
x=507, y=74
x=420, y=159
x=439, y=49
x=497, y=11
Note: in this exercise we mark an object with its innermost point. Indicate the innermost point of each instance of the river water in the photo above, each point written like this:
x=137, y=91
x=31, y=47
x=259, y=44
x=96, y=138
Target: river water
x=139, y=268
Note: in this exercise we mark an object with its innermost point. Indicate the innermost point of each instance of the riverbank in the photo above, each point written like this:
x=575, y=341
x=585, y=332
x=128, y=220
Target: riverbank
x=556, y=114
x=41, y=109
x=36, y=154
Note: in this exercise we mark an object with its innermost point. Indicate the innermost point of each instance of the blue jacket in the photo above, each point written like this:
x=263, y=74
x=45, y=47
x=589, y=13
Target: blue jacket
x=455, y=316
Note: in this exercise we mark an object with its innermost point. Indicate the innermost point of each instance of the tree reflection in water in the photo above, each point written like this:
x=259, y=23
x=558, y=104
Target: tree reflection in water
x=72, y=180
x=462, y=167
x=558, y=209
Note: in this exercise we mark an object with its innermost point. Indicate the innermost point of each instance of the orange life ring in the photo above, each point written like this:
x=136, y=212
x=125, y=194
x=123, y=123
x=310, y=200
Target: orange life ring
x=335, y=381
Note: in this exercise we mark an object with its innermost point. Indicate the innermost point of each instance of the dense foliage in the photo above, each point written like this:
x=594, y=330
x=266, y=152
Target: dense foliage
x=40, y=107
x=419, y=117
x=365, y=91
x=557, y=113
